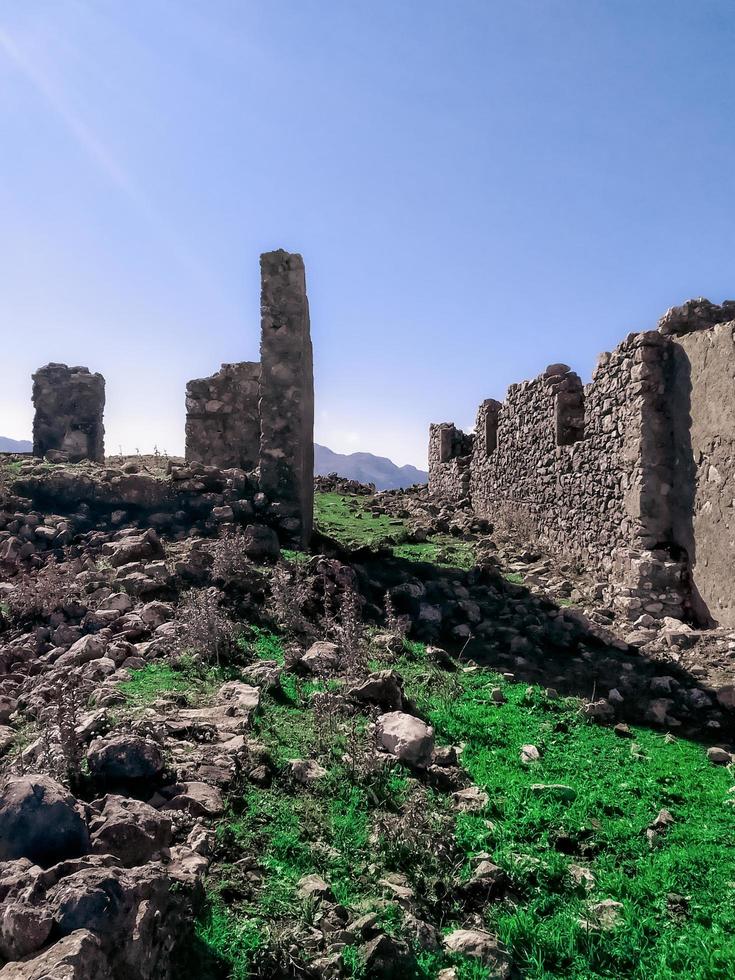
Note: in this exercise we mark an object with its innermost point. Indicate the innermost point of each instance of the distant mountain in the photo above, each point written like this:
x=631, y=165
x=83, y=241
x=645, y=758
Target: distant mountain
x=356, y=466
x=366, y=468
x=15, y=445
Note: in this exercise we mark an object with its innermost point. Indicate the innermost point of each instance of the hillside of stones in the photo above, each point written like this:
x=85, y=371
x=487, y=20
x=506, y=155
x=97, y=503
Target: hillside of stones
x=111, y=807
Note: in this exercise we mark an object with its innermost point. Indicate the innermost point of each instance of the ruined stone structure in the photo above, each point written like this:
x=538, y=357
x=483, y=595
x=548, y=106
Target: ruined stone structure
x=287, y=390
x=633, y=474
x=69, y=404
x=262, y=415
x=222, y=417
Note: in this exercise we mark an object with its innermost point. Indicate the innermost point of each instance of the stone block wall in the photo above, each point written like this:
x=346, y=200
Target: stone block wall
x=450, y=452
x=69, y=407
x=633, y=475
x=702, y=385
x=261, y=415
x=287, y=391
x=223, y=419
x=585, y=471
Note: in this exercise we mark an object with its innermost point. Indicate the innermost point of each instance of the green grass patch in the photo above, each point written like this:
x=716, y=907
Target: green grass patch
x=619, y=792
x=190, y=678
x=440, y=549
x=261, y=644
x=295, y=557
x=349, y=521
x=514, y=577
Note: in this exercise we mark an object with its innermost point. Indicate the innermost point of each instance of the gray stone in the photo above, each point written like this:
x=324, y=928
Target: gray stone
x=40, y=820
x=406, y=737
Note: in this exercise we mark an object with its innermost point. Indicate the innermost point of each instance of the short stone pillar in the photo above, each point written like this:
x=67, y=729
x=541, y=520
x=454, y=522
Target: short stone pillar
x=69, y=404
x=287, y=393
x=222, y=420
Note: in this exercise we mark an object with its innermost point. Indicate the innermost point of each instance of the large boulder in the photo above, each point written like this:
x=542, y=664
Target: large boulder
x=99, y=899
x=407, y=738
x=131, y=830
x=322, y=657
x=479, y=945
x=40, y=820
x=134, y=547
x=124, y=759
x=384, y=688
x=75, y=957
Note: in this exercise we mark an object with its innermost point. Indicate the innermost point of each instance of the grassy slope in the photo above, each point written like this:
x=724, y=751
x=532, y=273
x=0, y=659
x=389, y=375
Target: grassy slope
x=341, y=829
x=348, y=520
x=620, y=786
x=347, y=828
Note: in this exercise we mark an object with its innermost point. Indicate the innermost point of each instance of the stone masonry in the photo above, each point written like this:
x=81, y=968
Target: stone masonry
x=634, y=474
x=69, y=404
x=262, y=415
x=222, y=417
x=287, y=390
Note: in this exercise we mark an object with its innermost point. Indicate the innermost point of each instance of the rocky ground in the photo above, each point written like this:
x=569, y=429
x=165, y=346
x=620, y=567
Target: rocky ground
x=400, y=755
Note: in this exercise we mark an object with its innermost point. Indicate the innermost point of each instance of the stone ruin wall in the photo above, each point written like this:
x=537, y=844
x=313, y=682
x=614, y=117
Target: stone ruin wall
x=449, y=461
x=702, y=386
x=251, y=417
x=69, y=406
x=630, y=475
x=223, y=418
x=261, y=415
x=287, y=391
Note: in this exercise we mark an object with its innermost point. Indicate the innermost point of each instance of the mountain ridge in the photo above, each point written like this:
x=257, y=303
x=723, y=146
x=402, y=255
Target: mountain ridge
x=15, y=445
x=366, y=468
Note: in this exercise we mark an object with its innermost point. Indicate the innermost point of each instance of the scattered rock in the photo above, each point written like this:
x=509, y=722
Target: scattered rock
x=307, y=771
x=312, y=886
x=321, y=658
x=479, y=945
x=131, y=830
x=406, y=737
x=529, y=754
x=124, y=758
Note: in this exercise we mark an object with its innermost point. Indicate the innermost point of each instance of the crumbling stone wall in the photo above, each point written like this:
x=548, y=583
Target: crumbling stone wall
x=450, y=452
x=287, y=391
x=223, y=419
x=69, y=406
x=586, y=471
x=633, y=474
x=261, y=415
x=701, y=384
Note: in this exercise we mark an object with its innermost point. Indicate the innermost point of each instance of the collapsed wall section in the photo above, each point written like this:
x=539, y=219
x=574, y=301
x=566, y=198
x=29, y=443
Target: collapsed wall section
x=287, y=392
x=222, y=417
x=69, y=406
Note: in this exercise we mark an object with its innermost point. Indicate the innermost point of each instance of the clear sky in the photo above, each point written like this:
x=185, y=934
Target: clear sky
x=478, y=188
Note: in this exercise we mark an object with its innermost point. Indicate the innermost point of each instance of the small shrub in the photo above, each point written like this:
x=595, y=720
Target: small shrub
x=206, y=629
x=290, y=593
x=230, y=562
x=347, y=628
x=53, y=588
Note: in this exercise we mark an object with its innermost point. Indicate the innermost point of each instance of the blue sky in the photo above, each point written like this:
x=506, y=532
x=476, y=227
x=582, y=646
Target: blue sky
x=478, y=188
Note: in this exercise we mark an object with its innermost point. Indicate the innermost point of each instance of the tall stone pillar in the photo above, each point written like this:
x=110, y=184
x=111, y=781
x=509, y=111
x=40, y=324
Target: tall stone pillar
x=287, y=393
x=69, y=403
